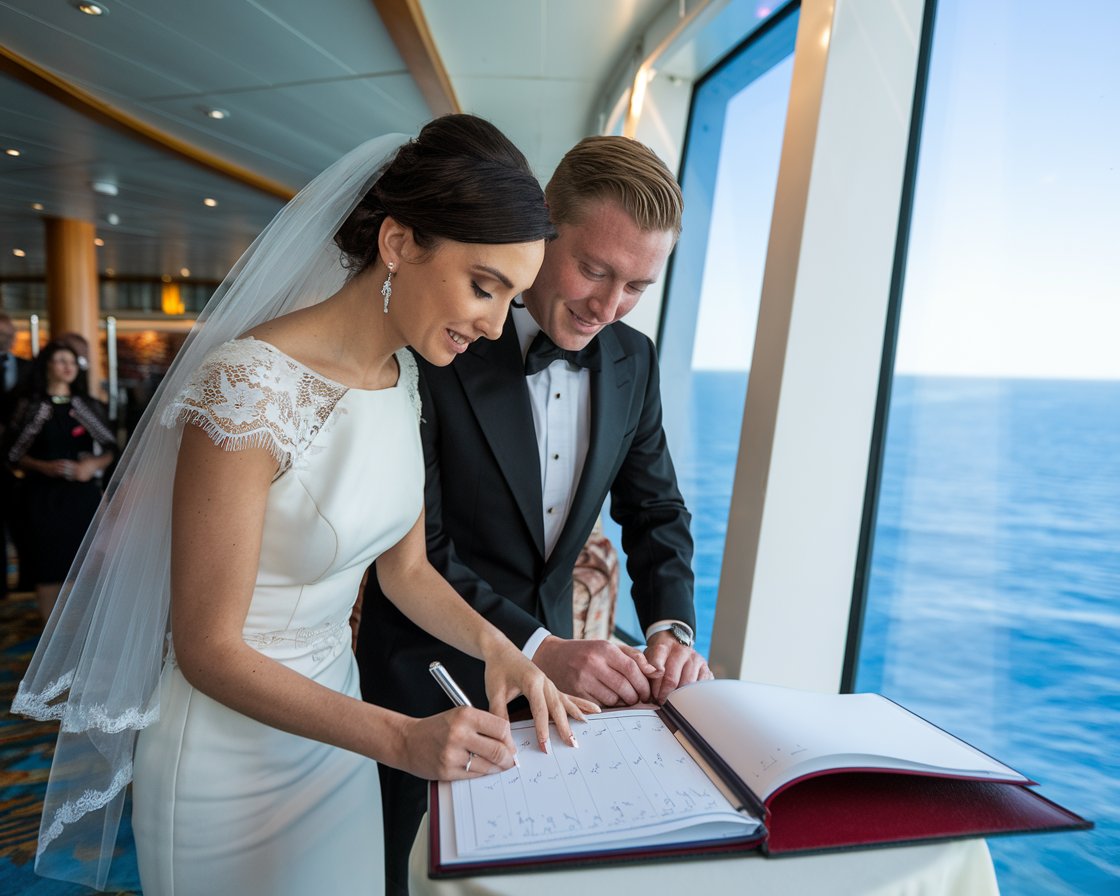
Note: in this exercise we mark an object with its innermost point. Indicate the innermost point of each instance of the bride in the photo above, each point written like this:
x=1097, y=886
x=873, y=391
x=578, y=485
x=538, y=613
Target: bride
x=209, y=616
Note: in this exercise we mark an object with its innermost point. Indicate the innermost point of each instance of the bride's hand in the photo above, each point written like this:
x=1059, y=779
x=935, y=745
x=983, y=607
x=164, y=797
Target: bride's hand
x=509, y=673
x=459, y=743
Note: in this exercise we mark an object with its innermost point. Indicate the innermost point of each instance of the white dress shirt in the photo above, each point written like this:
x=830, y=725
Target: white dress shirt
x=560, y=397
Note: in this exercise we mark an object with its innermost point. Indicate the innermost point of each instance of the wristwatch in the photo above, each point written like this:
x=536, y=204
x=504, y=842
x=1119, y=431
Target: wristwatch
x=682, y=634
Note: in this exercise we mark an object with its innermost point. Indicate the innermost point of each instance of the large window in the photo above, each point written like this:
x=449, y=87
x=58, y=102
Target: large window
x=730, y=170
x=993, y=604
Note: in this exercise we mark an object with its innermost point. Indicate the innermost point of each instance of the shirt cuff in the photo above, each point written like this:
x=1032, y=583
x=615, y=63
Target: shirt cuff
x=535, y=641
x=665, y=624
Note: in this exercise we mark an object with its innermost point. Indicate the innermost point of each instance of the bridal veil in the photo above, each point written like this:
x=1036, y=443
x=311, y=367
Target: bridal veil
x=97, y=667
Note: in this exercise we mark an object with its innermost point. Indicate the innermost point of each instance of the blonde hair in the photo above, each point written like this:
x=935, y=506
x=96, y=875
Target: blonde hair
x=618, y=169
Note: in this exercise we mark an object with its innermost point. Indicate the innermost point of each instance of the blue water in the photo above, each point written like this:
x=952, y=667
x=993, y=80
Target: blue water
x=994, y=597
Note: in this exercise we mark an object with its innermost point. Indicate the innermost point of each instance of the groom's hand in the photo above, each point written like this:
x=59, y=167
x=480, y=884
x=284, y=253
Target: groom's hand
x=679, y=665
x=596, y=670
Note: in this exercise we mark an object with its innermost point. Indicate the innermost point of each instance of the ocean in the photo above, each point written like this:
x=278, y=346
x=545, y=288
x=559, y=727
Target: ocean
x=994, y=596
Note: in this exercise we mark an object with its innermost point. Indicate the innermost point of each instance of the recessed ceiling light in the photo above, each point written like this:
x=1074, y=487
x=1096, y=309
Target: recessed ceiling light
x=209, y=203
x=184, y=272
x=166, y=278
x=104, y=187
x=109, y=272
x=18, y=253
x=215, y=113
x=98, y=242
x=90, y=8
x=37, y=206
x=12, y=152
x=113, y=218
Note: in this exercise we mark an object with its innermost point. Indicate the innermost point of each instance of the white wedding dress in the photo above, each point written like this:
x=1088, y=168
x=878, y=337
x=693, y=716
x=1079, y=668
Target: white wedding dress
x=225, y=804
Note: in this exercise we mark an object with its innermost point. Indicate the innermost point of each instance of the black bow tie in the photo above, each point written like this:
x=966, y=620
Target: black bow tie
x=544, y=351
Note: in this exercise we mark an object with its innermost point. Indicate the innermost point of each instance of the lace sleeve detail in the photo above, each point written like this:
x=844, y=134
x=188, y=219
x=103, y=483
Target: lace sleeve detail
x=410, y=380
x=248, y=394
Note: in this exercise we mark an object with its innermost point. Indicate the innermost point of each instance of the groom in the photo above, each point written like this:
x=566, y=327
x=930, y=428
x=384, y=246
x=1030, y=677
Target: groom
x=524, y=438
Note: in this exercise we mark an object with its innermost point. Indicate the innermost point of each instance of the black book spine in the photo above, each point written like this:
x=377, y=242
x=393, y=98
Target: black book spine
x=748, y=799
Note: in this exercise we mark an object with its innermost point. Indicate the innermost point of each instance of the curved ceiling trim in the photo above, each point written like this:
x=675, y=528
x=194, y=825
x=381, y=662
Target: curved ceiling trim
x=85, y=103
x=405, y=22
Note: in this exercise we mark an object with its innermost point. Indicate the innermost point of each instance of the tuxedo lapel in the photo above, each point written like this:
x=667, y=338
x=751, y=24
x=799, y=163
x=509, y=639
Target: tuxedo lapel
x=610, y=400
x=492, y=374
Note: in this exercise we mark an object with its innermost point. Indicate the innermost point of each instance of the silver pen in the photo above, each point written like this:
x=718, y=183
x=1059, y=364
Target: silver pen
x=440, y=674
x=457, y=695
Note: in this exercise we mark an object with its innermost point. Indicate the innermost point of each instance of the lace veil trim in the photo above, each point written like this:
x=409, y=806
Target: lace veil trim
x=72, y=810
x=78, y=718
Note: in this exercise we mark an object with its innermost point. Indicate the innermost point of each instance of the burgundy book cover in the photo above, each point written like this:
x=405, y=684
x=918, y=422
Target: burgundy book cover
x=836, y=809
x=832, y=811
x=848, y=809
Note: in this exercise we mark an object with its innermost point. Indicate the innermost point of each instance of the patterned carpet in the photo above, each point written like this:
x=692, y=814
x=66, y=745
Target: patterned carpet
x=25, y=758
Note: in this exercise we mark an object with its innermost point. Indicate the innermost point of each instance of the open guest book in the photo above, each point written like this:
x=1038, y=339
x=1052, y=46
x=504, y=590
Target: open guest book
x=728, y=767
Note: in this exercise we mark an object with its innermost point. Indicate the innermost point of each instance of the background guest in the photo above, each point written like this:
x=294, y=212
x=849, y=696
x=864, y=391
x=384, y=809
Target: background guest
x=60, y=439
x=79, y=345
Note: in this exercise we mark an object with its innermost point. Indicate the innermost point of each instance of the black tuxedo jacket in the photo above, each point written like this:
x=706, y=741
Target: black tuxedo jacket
x=484, y=511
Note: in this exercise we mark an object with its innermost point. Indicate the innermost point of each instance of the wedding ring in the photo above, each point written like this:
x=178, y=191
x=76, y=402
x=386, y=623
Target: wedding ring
x=470, y=759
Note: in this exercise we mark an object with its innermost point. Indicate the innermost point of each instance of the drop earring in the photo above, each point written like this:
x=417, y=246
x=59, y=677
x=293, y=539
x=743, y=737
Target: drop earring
x=387, y=287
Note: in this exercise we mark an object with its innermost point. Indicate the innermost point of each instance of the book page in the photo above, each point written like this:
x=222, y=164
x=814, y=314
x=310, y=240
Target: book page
x=628, y=783
x=772, y=735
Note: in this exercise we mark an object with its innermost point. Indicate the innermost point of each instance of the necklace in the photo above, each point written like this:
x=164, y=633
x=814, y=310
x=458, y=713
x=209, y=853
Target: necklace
x=60, y=399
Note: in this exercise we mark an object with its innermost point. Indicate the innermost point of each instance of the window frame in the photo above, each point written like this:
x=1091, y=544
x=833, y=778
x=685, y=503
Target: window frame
x=815, y=388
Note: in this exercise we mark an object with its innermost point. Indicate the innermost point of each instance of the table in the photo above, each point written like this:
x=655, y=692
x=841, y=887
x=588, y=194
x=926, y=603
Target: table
x=956, y=868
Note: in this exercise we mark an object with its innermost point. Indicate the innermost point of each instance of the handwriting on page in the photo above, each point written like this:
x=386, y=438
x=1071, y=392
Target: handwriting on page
x=628, y=773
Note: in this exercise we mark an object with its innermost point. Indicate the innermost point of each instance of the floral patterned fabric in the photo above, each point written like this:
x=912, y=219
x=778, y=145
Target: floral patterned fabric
x=248, y=394
x=595, y=588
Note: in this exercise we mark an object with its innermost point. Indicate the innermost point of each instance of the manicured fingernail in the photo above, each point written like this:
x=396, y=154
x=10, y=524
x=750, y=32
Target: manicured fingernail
x=572, y=740
x=544, y=745
x=516, y=761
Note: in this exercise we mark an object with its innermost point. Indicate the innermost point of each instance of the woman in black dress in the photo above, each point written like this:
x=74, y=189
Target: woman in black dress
x=60, y=441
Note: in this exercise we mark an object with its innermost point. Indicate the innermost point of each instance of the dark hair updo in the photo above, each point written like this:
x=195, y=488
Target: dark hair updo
x=459, y=179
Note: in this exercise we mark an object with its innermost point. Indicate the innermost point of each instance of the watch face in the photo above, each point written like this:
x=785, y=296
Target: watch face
x=681, y=634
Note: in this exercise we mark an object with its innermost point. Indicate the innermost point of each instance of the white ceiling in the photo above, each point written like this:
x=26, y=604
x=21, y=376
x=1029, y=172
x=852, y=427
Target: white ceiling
x=303, y=80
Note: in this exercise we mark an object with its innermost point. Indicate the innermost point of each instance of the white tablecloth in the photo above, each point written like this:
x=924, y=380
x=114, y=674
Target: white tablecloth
x=958, y=868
